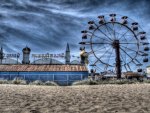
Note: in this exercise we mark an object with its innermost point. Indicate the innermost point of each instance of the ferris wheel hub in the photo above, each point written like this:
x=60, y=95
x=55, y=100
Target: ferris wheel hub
x=115, y=43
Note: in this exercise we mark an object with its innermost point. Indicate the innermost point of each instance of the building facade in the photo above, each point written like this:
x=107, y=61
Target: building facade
x=43, y=69
x=61, y=74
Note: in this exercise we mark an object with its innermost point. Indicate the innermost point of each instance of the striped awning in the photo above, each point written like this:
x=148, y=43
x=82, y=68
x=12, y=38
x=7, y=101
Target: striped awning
x=41, y=68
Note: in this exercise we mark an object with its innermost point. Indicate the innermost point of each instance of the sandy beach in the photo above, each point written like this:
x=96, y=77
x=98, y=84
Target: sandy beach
x=134, y=98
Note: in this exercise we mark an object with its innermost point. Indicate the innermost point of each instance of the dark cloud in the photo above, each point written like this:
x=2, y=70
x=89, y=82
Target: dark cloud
x=49, y=24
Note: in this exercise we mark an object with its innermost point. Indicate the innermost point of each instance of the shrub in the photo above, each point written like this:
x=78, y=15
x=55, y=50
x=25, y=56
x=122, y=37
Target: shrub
x=50, y=83
x=121, y=81
x=4, y=82
x=85, y=82
x=17, y=81
x=37, y=82
x=147, y=81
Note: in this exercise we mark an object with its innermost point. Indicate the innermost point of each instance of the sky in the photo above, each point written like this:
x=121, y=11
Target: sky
x=48, y=25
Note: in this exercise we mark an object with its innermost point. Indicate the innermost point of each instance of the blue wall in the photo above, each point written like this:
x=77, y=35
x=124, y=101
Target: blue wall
x=62, y=78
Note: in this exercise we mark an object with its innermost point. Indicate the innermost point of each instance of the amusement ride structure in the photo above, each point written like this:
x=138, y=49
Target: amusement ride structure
x=115, y=42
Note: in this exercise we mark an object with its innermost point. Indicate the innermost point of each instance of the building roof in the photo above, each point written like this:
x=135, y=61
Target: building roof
x=47, y=61
x=75, y=62
x=41, y=68
x=26, y=49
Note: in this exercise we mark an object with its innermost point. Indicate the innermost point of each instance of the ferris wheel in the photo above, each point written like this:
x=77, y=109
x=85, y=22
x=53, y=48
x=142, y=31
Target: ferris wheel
x=115, y=42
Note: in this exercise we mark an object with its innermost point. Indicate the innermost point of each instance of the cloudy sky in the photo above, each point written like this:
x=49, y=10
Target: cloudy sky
x=47, y=25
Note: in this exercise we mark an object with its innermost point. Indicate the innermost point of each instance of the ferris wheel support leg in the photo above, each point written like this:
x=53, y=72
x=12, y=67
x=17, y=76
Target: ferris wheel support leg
x=118, y=61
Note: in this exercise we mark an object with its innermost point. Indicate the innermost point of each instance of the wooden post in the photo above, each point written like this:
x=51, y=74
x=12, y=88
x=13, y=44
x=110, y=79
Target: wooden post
x=81, y=77
x=67, y=79
x=53, y=77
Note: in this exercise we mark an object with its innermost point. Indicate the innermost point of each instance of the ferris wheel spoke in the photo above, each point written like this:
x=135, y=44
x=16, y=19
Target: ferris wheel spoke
x=100, y=43
x=114, y=33
x=106, y=66
x=124, y=34
x=91, y=63
x=98, y=68
x=127, y=43
x=100, y=37
x=134, y=62
x=124, y=60
x=96, y=62
x=126, y=39
x=108, y=26
x=130, y=56
x=129, y=49
x=141, y=52
x=129, y=67
x=125, y=63
x=137, y=61
x=99, y=49
x=89, y=53
x=119, y=31
x=125, y=67
x=105, y=52
x=104, y=34
x=108, y=30
x=103, y=47
x=126, y=53
x=110, y=56
x=105, y=30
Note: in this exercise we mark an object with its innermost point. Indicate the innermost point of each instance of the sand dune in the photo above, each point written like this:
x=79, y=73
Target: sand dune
x=134, y=98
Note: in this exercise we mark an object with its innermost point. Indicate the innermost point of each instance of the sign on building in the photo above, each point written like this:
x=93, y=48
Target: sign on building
x=12, y=55
x=48, y=55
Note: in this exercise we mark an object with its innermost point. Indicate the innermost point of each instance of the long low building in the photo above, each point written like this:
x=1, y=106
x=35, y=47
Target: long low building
x=61, y=74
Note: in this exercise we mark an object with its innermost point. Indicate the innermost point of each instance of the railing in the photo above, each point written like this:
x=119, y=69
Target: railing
x=58, y=78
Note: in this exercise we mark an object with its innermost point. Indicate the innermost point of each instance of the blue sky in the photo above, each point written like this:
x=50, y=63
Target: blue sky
x=47, y=25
